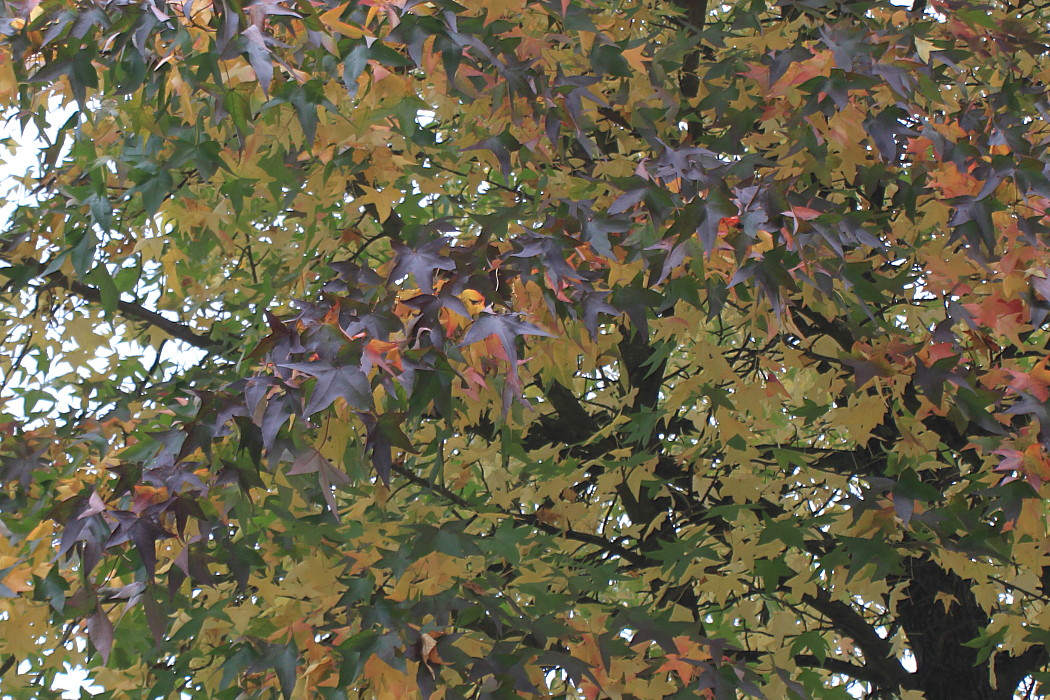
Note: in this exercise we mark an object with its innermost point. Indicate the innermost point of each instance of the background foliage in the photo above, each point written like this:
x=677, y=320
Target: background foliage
x=581, y=348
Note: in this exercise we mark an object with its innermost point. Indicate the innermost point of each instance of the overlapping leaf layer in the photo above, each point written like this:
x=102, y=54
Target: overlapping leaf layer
x=580, y=348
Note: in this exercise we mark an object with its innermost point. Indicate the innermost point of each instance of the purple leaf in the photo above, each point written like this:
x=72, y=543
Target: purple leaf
x=494, y=144
x=627, y=201
x=904, y=506
x=506, y=327
x=100, y=632
x=1041, y=285
x=379, y=446
x=95, y=506
x=21, y=466
x=675, y=256
x=593, y=304
x=143, y=532
x=259, y=56
x=155, y=618
x=421, y=263
x=310, y=461
x=278, y=410
x=347, y=382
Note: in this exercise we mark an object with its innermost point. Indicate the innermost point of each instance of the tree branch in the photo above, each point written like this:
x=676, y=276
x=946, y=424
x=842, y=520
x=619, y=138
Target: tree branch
x=530, y=519
x=695, y=12
x=878, y=653
x=134, y=311
x=129, y=309
x=17, y=361
x=609, y=546
x=828, y=663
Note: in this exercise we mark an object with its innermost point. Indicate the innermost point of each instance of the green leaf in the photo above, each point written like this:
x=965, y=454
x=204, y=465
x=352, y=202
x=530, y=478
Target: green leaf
x=107, y=289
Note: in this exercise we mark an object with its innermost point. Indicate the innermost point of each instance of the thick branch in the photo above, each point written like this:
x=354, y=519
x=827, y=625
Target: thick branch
x=176, y=330
x=695, y=12
x=813, y=324
x=828, y=663
x=129, y=309
x=643, y=371
x=695, y=16
x=878, y=653
x=569, y=424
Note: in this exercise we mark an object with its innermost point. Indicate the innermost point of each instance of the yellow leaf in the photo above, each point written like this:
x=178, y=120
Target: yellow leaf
x=336, y=435
x=331, y=19
x=383, y=200
x=923, y=48
x=946, y=599
x=636, y=58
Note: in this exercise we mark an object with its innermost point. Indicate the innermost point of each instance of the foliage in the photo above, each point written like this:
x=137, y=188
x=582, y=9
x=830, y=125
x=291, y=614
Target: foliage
x=558, y=348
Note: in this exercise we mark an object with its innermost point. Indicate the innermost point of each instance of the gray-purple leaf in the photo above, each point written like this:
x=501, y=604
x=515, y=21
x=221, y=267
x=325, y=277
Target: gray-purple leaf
x=310, y=461
x=1041, y=285
x=506, y=327
x=347, y=382
x=100, y=632
x=259, y=56
x=627, y=201
x=155, y=618
x=421, y=263
x=494, y=144
x=593, y=304
x=278, y=409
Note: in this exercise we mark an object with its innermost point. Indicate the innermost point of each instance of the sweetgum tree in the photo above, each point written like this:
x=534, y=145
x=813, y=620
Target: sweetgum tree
x=558, y=348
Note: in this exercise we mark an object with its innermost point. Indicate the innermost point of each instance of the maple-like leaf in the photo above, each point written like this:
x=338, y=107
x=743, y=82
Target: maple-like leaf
x=421, y=263
x=143, y=532
x=310, y=461
x=780, y=275
x=506, y=327
x=383, y=433
x=593, y=304
x=334, y=381
x=259, y=56
x=20, y=467
x=100, y=632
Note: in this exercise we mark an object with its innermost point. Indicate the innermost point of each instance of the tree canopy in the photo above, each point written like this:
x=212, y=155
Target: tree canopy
x=515, y=348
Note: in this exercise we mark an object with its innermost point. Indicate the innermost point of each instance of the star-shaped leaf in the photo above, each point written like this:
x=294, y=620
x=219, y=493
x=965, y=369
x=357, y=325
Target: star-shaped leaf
x=334, y=381
x=506, y=327
x=310, y=461
x=421, y=263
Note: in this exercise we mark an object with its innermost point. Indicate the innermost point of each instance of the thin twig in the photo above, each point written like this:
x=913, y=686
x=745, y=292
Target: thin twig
x=531, y=519
x=14, y=365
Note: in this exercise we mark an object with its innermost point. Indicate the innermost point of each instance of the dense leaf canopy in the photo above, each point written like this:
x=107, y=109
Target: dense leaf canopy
x=517, y=348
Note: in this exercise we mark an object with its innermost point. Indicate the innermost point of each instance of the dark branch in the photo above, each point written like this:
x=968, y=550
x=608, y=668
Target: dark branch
x=129, y=309
x=839, y=666
x=529, y=519
x=134, y=311
x=878, y=653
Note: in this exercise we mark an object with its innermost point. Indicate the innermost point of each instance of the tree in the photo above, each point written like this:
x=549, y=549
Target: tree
x=575, y=348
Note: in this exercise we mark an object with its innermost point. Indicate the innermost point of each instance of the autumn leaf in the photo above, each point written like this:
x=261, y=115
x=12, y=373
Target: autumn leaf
x=564, y=349
x=421, y=263
x=506, y=328
x=310, y=461
x=334, y=381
